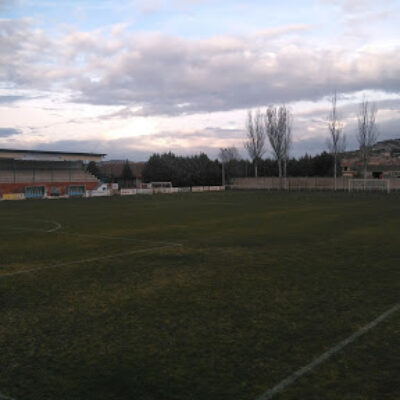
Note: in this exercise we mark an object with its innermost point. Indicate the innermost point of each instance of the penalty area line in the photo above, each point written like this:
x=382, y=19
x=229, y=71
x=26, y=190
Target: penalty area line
x=57, y=226
x=82, y=261
x=57, y=229
x=269, y=394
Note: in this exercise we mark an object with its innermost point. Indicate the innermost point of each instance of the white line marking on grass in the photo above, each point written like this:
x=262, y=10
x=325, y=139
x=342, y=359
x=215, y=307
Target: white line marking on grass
x=56, y=227
x=325, y=356
x=82, y=261
x=175, y=244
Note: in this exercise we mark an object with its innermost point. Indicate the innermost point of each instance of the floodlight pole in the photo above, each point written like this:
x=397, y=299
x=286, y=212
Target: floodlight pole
x=223, y=173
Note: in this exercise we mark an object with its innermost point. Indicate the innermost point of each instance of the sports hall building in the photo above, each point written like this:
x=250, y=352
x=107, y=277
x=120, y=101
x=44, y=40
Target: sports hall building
x=39, y=174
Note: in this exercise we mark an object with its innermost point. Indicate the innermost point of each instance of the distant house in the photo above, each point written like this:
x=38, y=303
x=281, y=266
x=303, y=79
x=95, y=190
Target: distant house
x=384, y=161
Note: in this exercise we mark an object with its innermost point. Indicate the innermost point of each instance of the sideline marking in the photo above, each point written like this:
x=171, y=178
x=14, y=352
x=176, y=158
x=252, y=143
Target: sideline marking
x=325, y=356
x=82, y=261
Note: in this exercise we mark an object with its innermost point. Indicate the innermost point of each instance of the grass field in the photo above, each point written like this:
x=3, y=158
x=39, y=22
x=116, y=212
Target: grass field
x=199, y=296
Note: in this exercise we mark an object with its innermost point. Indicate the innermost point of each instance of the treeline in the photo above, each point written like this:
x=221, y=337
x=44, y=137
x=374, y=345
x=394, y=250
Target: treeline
x=196, y=170
x=199, y=170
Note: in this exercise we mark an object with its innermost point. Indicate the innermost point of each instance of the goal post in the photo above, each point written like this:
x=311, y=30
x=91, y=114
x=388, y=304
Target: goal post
x=367, y=185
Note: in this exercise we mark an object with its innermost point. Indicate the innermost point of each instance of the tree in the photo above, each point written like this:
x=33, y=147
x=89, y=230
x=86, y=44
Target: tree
x=278, y=126
x=322, y=164
x=337, y=140
x=127, y=175
x=182, y=171
x=226, y=155
x=164, y=168
x=94, y=169
x=367, y=132
x=255, y=138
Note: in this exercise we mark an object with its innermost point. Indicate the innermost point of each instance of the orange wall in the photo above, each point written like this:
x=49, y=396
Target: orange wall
x=62, y=186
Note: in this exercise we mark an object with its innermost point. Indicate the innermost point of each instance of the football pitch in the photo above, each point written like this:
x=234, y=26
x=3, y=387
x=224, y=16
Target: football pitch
x=214, y=296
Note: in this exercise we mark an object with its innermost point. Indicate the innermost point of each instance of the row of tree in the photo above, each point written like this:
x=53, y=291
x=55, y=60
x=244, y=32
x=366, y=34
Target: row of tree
x=276, y=126
x=196, y=170
x=199, y=170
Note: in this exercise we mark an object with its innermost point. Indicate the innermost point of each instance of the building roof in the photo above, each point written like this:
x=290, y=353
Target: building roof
x=48, y=155
x=51, y=152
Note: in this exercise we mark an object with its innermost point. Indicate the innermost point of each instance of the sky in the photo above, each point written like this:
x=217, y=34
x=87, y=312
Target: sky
x=134, y=77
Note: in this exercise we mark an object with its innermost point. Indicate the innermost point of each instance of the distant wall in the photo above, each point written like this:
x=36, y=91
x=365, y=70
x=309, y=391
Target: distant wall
x=305, y=183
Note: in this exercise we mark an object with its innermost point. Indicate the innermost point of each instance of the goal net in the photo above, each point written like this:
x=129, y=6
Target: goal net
x=369, y=185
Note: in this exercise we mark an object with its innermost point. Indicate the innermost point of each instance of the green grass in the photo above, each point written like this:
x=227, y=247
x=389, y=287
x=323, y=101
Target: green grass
x=262, y=284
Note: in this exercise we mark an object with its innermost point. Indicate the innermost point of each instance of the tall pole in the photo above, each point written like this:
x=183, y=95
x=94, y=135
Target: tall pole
x=223, y=173
x=335, y=171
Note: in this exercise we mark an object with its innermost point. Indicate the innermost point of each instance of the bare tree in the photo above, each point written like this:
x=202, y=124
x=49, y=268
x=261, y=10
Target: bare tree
x=367, y=131
x=226, y=155
x=274, y=135
x=278, y=126
x=337, y=139
x=255, y=138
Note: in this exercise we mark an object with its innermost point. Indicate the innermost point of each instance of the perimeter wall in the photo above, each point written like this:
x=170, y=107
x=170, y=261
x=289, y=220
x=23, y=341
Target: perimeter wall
x=305, y=183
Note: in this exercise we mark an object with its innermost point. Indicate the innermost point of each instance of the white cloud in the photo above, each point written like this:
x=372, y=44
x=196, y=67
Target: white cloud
x=157, y=74
x=170, y=75
x=145, y=91
x=357, y=6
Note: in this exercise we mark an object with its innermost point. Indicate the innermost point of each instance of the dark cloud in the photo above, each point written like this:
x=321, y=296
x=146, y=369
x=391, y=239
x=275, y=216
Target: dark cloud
x=389, y=129
x=5, y=4
x=157, y=74
x=115, y=149
x=139, y=148
x=5, y=132
x=125, y=113
x=310, y=136
x=28, y=57
x=132, y=149
x=209, y=140
x=171, y=76
x=10, y=99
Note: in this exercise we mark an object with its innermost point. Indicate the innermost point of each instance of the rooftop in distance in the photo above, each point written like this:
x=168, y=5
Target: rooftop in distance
x=41, y=155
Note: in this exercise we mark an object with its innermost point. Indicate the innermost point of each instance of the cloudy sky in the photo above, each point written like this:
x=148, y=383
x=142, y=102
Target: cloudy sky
x=133, y=77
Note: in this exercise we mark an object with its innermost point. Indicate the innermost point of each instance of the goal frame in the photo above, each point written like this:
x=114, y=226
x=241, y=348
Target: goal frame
x=369, y=185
